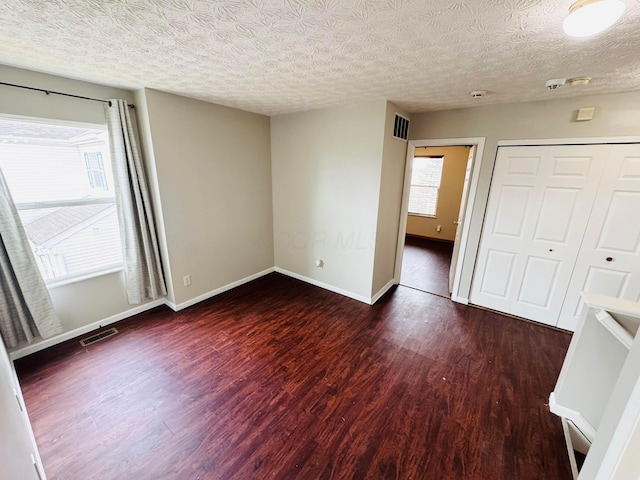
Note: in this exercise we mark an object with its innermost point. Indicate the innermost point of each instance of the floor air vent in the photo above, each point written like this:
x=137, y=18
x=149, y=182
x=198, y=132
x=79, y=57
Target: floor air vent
x=98, y=336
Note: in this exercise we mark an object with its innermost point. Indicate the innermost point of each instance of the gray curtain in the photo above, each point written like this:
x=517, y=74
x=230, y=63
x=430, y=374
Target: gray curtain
x=26, y=311
x=142, y=266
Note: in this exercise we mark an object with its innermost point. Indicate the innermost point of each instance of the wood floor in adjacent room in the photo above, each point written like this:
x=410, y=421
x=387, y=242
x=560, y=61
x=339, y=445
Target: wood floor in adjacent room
x=426, y=264
x=278, y=379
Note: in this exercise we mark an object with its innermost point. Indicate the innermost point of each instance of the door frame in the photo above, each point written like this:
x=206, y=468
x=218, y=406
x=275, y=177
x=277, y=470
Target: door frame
x=472, y=187
x=568, y=141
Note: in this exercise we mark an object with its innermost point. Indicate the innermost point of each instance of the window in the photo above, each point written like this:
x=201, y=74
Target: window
x=425, y=185
x=95, y=170
x=61, y=182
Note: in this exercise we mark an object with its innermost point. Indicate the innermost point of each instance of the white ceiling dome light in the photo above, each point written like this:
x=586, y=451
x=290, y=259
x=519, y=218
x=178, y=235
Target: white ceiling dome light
x=589, y=17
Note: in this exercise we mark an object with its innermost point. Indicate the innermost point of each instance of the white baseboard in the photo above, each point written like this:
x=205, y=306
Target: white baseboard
x=382, y=291
x=217, y=291
x=323, y=285
x=76, y=332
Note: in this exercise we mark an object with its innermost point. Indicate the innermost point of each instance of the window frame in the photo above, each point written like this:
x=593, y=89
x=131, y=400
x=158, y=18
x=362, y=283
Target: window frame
x=412, y=185
x=90, y=273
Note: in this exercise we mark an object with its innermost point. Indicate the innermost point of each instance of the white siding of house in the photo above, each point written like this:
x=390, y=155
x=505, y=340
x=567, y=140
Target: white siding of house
x=95, y=245
x=37, y=172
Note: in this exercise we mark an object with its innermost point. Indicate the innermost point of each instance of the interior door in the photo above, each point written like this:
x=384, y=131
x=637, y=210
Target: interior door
x=609, y=259
x=538, y=209
x=461, y=212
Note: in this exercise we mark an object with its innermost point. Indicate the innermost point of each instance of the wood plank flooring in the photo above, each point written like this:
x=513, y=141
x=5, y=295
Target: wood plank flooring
x=278, y=379
x=425, y=265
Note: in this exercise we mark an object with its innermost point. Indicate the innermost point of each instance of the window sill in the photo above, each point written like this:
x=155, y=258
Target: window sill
x=87, y=276
x=421, y=215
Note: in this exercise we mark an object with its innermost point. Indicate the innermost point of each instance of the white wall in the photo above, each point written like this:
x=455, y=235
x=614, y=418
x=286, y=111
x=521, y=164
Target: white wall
x=326, y=185
x=81, y=303
x=616, y=115
x=394, y=156
x=212, y=166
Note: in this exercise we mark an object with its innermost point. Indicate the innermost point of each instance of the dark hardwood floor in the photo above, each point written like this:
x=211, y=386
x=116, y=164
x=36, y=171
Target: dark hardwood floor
x=278, y=379
x=425, y=265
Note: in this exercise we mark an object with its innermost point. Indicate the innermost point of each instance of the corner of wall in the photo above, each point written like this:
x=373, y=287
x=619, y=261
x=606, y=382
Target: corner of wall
x=326, y=171
x=389, y=203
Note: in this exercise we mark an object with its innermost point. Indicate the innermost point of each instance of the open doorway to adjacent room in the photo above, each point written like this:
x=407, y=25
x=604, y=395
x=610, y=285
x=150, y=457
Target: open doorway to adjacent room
x=438, y=183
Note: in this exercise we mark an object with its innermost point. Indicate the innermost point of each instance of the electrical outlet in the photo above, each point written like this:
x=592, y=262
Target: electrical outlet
x=439, y=228
x=319, y=263
x=186, y=280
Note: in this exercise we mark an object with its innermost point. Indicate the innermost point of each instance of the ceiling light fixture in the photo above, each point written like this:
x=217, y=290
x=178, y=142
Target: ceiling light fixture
x=589, y=17
x=579, y=81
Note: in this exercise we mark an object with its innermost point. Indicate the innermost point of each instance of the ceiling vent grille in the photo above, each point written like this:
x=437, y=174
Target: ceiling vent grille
x=98, y=336
x=401, y=127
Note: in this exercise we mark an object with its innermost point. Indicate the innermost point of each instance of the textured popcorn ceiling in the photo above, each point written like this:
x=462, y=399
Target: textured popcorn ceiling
x=278, y=56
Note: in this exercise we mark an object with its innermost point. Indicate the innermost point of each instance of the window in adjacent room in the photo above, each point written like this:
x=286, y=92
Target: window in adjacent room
x=61, y=182
x=425, y=185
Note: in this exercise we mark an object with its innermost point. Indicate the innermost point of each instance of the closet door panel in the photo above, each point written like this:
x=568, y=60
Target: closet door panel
x=609, y=259
x=512, y=200
x=538, y=208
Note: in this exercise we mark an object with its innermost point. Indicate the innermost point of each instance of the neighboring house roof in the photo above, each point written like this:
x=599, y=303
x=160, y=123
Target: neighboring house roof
x=10, y=128
x=60, y=220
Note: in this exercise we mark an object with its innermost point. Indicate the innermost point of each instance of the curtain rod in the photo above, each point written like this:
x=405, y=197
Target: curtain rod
x=51, y=92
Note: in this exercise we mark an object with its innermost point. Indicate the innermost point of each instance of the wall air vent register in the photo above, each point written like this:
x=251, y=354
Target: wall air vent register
x=401, y=128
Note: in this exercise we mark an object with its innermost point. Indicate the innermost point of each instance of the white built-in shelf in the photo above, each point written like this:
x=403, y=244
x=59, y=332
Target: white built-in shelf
x=589, y=378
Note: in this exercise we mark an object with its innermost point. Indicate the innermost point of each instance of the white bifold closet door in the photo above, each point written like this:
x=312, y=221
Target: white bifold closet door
x=539, y=207
x=609, y=259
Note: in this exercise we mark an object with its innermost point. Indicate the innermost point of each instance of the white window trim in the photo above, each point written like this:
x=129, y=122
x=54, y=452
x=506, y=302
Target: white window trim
x=69, y=279
x=64, y=203
x=422, y=215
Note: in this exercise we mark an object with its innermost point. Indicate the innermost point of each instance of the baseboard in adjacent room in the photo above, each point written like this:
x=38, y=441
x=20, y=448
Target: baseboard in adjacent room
x=435, y=239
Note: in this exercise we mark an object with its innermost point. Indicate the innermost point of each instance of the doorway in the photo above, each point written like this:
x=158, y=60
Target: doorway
x=435, y=214
x=425, y=265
